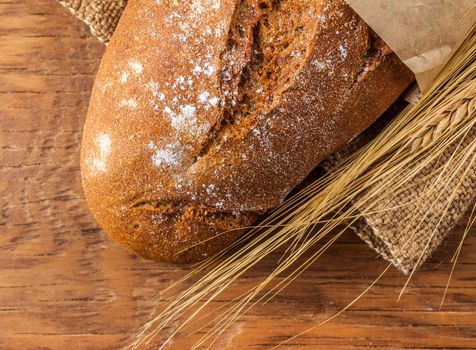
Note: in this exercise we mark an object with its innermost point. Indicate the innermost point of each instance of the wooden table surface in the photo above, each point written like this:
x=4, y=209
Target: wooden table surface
x=65, y=285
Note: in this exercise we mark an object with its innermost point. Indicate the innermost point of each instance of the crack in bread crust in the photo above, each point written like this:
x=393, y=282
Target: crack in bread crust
x=258, y=69
x=251, y=81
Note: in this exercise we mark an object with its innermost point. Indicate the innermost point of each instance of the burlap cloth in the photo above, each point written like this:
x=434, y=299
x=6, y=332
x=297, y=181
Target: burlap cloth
x=101, y=16
x=383, y=231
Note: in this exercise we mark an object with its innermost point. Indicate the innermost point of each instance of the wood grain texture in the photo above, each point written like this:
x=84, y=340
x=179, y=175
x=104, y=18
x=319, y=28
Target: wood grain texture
x=64, y=284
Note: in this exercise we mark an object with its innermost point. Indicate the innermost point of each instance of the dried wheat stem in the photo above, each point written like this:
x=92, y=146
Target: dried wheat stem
x=460, y=112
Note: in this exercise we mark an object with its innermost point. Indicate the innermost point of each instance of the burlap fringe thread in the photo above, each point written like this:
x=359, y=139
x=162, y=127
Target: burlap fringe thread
x=101, y=16
x=382, y=231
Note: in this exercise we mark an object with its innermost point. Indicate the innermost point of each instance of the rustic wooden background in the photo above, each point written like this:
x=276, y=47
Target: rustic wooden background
x=65, y=285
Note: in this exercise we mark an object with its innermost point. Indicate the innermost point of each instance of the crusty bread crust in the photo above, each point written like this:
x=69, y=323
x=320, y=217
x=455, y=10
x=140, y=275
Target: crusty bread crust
x=169, y=160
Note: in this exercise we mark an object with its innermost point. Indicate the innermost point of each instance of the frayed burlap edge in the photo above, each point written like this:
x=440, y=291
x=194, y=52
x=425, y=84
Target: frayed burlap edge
x=101, y=16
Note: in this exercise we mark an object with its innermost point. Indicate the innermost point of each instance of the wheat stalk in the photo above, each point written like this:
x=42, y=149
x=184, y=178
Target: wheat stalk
x=441, y=119
x=464, y=109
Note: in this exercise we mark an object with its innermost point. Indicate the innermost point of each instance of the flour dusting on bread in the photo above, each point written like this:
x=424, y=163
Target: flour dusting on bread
x=98, y=163
x=171, y=155
x=136, y=66
x=130, y=103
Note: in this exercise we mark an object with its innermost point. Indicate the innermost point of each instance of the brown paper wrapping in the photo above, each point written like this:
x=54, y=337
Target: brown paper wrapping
x=423, y=33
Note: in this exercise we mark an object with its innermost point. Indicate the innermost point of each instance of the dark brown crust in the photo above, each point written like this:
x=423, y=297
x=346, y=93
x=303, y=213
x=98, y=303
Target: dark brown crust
x=347, y=79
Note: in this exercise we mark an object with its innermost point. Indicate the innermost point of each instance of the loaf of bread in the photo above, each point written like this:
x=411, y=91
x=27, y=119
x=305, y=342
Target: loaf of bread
x=205, y=114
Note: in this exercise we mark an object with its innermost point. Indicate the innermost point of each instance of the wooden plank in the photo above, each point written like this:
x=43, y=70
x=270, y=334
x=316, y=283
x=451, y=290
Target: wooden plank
x=64, y=284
